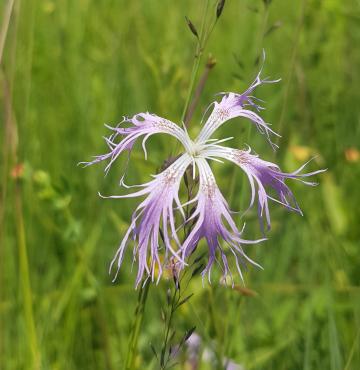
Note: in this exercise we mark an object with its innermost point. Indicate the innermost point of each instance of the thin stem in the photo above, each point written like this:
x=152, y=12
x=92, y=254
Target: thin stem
x=10, y=156
x=25, y=280
x=198, y=54
x=174, y=302
x=5, y=26
x=139, y=315
x=199, y=89
x=352, y=351
x=191, y=86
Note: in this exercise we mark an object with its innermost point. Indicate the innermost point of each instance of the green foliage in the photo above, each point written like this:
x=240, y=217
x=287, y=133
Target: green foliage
x=68, y=67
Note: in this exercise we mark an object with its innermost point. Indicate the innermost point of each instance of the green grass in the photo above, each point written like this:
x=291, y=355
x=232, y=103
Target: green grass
x=70, y=66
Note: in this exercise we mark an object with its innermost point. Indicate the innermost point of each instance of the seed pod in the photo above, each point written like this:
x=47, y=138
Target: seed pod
x=192, y=27
x=220, y=8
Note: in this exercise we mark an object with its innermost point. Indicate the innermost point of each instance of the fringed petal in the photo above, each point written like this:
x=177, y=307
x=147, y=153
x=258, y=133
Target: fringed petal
x=214, y=222
x=234, y=105
x=263, y=174
x=156, y=211
x=141, y=125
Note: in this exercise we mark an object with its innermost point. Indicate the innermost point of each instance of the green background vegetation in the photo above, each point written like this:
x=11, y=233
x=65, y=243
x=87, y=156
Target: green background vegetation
x=68, y=67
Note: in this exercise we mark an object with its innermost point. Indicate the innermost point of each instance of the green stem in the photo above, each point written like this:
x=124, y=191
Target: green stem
x=199, y=52
x=174, y=302
x=5, y=25
x=191, y=86
x=25, y=281
x=139, y=314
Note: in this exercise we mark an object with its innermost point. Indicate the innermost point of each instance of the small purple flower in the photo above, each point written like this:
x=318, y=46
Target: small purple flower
x=195, y=354
x=155, y=217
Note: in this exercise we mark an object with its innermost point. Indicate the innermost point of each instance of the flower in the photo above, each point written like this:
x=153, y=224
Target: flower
x=142, y=124
x=196, y=351
x=262, y=174
x=156, y=216
x=211, y=212
x=153, y=214
x=233, y=105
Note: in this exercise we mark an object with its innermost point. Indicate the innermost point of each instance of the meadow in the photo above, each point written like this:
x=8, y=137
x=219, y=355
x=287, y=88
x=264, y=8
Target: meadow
x=68, y=67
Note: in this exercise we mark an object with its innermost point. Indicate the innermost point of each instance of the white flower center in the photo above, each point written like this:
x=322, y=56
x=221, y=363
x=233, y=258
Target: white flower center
x=194, y=149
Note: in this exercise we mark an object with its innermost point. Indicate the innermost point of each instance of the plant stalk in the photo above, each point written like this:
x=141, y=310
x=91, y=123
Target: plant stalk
x=25, y=281
x=198, y=54
x=199, y=89
x=135, y=331
x=163, y=363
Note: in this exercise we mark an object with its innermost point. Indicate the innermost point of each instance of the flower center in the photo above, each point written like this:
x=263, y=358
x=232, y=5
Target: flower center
x=194, y=149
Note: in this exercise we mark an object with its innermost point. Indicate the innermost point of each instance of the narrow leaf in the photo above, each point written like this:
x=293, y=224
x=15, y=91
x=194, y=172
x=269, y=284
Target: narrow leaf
x=274, y=27
x=197, y=270
x=220, y=8
x=192, y=27
x=184, y=300
x=189, y=333
x=199, y=258
x=154, y=350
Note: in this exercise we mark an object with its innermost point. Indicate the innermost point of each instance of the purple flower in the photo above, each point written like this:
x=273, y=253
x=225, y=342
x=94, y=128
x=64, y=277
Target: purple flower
x=214, y=223
x=141, y=124
x=263, y=174
x=233, y=105
x=155, y=213
x=155, y=217
x=194, y=350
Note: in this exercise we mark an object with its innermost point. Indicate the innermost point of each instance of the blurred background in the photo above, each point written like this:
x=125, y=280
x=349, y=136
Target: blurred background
x=68, y=67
